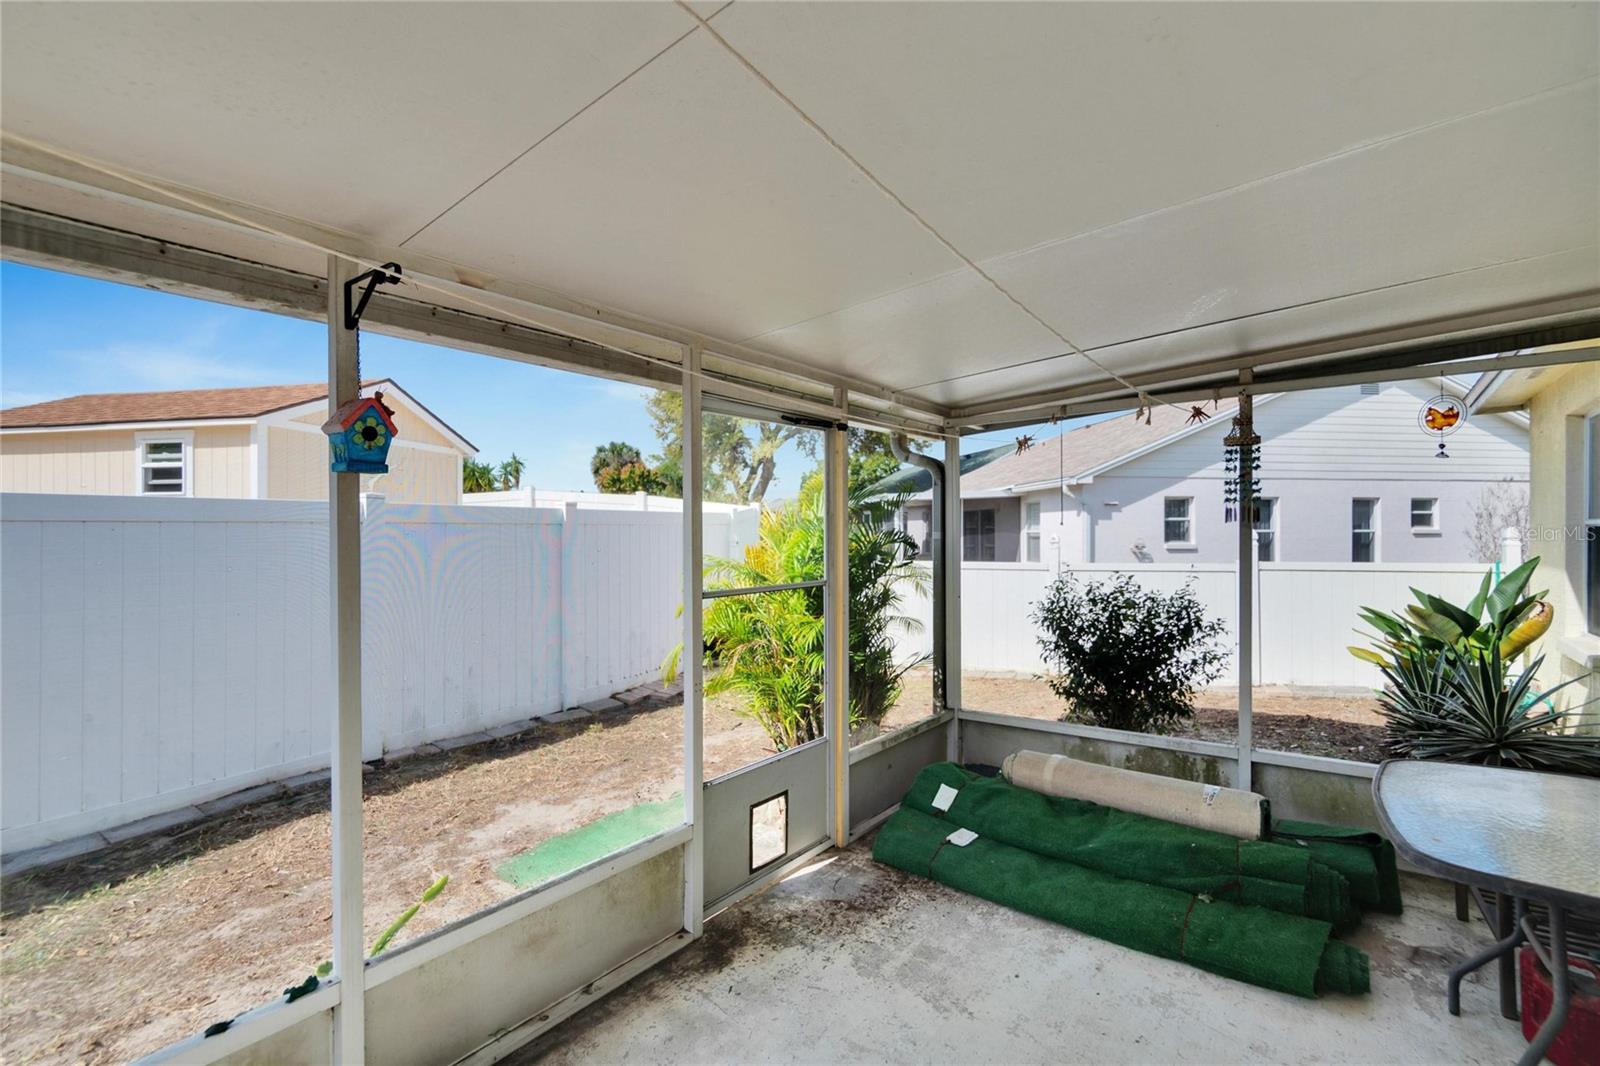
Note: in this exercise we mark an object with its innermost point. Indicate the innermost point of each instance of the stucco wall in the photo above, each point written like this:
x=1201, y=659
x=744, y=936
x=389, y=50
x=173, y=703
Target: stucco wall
x=1557, y=500
x=103, y=462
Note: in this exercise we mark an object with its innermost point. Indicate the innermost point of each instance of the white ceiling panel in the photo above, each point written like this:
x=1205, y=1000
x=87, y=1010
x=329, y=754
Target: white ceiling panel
x=953, y=325
x=371, y=118
x=1506, y=185
x=692, y=195
x=1012, y=124
x=1165, y=183
x=1414, y=312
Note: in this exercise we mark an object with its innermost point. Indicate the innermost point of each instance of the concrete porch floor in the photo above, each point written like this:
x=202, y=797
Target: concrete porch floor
x=848, y=961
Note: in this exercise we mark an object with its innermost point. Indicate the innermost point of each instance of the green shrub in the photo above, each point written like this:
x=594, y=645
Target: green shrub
x=1124, y=656
x=768, y=647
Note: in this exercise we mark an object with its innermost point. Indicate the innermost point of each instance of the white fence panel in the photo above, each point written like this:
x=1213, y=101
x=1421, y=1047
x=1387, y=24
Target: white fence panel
x=156, y=653
x=623, y=572
x=461, y=619
x=1305, y=613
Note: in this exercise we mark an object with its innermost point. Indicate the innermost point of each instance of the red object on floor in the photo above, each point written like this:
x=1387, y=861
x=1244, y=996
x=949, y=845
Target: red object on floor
x=1579, y=1041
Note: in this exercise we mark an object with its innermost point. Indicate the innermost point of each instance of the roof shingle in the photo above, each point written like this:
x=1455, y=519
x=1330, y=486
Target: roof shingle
x=1085, y=448
x=189, y=405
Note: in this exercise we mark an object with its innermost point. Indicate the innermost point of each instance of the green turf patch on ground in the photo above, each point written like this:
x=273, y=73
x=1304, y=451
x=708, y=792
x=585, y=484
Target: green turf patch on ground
x=583, y=845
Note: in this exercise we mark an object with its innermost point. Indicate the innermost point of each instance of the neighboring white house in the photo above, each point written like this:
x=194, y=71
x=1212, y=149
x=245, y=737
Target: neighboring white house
x=264, y=442
x=1346, y=475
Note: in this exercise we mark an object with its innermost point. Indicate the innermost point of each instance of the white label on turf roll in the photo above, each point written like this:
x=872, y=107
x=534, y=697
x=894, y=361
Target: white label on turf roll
x=943, y=798
x=1212, y=792
x=962, y=837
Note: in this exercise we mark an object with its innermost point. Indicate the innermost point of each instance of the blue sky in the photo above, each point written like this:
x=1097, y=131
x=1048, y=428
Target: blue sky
x=61, y=335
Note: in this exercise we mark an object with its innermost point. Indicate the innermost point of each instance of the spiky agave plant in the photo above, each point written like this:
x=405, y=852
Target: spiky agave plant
x=1467, y=708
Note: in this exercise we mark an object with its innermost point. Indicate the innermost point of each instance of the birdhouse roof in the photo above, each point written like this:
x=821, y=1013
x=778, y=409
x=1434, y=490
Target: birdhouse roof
x=346, y=415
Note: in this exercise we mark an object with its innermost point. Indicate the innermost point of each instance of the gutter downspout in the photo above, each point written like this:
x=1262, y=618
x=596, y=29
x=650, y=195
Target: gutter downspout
x=900, y=448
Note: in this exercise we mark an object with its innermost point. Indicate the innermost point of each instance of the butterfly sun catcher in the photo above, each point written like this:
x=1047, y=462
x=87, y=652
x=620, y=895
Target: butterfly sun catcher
x=1440, y=417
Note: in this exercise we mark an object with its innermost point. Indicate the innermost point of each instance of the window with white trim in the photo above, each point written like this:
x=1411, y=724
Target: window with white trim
x=1266, y=527
x=1030, y=531
x=1363, y=531
x=1424, y=514
x=1178, y=521
x=977, y=535
x=163, y=465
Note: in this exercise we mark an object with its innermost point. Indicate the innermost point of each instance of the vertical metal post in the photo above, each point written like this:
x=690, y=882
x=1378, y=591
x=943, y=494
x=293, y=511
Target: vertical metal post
x=836, y=618
x=1246, y=570
x=950, y=590
x=692, y=661
x=344, y=564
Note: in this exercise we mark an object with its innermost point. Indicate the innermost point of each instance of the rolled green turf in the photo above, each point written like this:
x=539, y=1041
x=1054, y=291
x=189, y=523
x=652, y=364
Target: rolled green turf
x=1267, y=948
x=1366, y=859
x=1280, y=877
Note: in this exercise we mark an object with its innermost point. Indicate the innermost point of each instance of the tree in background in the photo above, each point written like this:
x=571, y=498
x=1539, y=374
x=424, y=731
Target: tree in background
x=612, y=456
x=634, y=477
x=618, y=468
x=477, y=477
x=511, y=472
x=741, y=454
x=870, y=458
x=1496, y=508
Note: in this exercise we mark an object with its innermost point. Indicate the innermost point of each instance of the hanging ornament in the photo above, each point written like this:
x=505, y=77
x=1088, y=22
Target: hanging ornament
x=1197, y=414
x=1024, y=442
x=1241, y=459
x=1440, y=417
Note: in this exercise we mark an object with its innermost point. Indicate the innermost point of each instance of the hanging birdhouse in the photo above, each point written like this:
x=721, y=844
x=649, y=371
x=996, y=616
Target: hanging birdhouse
x=359, y=435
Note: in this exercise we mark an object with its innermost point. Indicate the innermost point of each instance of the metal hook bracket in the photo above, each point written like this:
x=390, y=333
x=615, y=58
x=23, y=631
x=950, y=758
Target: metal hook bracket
x=388, y=274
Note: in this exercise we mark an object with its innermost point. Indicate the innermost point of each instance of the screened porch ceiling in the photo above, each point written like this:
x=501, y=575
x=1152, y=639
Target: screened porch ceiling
x=1175, y=189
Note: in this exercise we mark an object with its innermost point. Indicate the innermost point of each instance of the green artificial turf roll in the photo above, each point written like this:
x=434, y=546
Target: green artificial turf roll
x=1366, y=859
x=1283, y=878
x=1267, y=948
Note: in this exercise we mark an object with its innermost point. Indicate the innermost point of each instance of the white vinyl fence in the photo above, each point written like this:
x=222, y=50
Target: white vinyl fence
x=1305, y=612
x=157, y=653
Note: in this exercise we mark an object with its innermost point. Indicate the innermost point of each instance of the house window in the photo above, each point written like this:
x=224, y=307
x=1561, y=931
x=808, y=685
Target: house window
x=1363, y=531
x=1424, y=514
x=1266, y=526
x=1179, y=527
x=1591, y=526
x=1030, y=531
x=163, y=464
x=977, y=535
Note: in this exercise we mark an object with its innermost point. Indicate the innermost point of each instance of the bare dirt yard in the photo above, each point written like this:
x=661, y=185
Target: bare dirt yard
x=1341, y=726
x=121, y=952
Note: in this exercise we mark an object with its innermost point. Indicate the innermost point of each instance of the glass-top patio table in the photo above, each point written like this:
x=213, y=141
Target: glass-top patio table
x=1524, y=834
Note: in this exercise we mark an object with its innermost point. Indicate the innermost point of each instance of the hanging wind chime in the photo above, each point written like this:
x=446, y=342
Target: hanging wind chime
x=1440, y=417
x=1241, y=460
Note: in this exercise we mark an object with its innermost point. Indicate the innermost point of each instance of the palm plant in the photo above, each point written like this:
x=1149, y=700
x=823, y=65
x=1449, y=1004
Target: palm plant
x=768, y=647
x=511, y=472
x=477, y=477
x=1450, y=693
x=1500, y=617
